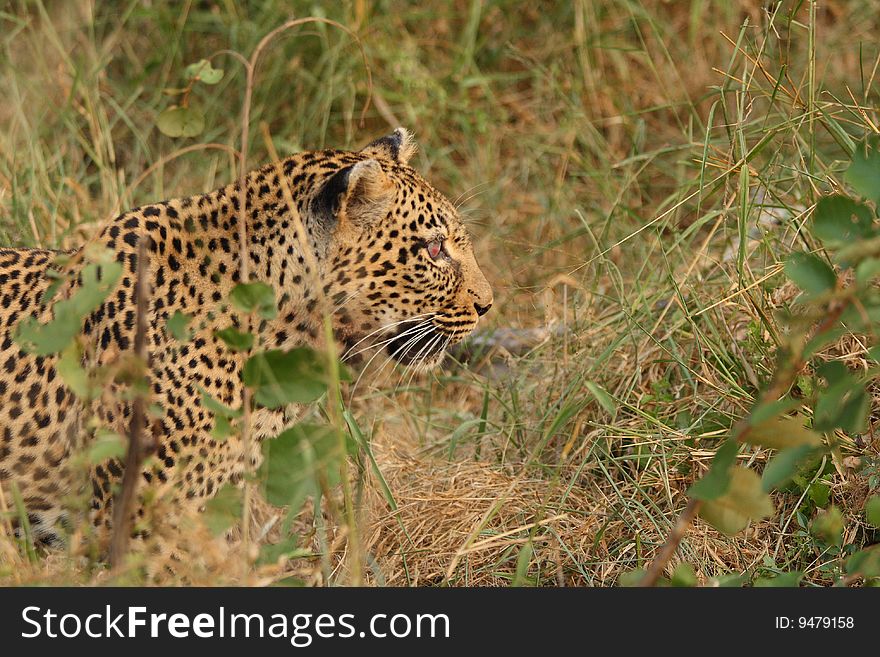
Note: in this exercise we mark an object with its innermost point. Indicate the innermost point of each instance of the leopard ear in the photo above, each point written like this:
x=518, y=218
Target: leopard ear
x=360, y=193
x=399, y=146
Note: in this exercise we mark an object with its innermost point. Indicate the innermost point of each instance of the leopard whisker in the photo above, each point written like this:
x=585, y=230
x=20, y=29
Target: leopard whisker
x=381, y=343
x=461, y=200
x=405, y=348
x=385, y=327
x=424, y=331
x=345, y=301
x=415, y=366
x=409, y=332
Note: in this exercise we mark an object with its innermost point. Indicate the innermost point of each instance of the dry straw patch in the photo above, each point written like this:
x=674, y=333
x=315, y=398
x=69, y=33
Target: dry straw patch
x=464, y=523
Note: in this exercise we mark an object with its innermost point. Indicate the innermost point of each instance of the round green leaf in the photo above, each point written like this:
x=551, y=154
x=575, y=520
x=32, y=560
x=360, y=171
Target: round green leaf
x=203, y=72
x=281, y=377
x=828, y=526
x=181, y=122
x=744, y=500
x=295, y=458
x=684, y=575
x=224, y=509
x=631, y=578
x=177, y=324
x=840, y=219
x=872, y=511
x=865, y=562
x=716, y=482
x=785, y=465
x=864, y=172
x=810, y=273
x=235, y=339
x=211, y=76
x=254, y=297
x=782, y=580
x=782, y=432
x=820, y=493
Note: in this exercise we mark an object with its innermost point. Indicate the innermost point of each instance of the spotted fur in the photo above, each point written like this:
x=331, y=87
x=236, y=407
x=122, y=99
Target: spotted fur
x=373, y=227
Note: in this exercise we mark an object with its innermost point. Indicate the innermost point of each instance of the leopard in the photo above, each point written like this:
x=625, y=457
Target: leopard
x=358, y=238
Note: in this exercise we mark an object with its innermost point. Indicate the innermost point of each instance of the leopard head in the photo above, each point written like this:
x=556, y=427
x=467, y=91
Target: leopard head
x=400, y=259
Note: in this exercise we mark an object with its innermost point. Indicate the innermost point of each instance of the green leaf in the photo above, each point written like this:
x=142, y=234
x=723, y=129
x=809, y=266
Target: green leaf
x=296, y=457
x=286, y=549
x=819, y=492
x=731, y=580
x=281, y=377
x=854, y=414
x=839, y=219
x=782, y=580
x=50, y=338
x=865, y=562
x=782, y=432
x=523, y=561
x=181, y=122
x=874, y=353
x=810, y=273
x=107, y=445
x=254, y=297
x=235, y=339
x=177, y=324
x=867, y=271
x=842, y=405
x=605, y=400
x=222, y=428
x=223, y=415
x=216, y=407
x=203, y=72
x=744, y=500
x=224, y=509
x=211, y=77
x=785, y=465
x=69, y=368
x=834, y=371
x=715, y=482
x=631, y=578
x=872, y=511
x=684, y=575
x=769, y=410
x=864, y=172
x=828, y=526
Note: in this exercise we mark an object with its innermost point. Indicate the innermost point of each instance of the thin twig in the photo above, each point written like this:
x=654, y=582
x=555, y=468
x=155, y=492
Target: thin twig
x=652, y=574
x=123, y=506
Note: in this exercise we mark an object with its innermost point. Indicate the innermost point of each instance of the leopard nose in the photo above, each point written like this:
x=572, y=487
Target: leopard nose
x=482, y=310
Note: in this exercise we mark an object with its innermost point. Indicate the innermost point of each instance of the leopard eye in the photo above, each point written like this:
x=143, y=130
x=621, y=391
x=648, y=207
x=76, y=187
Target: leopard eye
x=435, y=248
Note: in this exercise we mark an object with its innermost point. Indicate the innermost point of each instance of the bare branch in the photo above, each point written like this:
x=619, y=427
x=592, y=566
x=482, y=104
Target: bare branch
x=123, y=505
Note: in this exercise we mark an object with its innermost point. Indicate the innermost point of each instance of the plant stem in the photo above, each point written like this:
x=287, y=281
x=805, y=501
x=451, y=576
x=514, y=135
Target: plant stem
x=123, y=506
